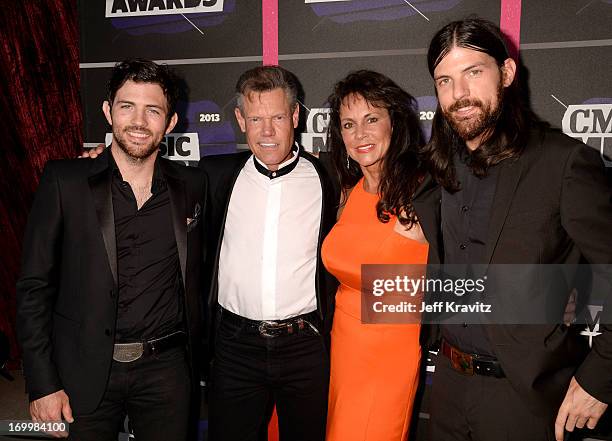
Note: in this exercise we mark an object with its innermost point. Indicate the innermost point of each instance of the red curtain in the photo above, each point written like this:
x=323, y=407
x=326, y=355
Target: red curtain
x=40, y=119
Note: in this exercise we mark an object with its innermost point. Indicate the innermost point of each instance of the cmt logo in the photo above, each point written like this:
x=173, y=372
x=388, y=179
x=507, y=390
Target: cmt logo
x=591, y=317
x=314, y=138
x=350, y=11
x=176, y=146
x=591, y=124
x=134, y=8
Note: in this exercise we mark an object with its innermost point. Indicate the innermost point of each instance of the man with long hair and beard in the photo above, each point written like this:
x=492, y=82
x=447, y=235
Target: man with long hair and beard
x=512, y=191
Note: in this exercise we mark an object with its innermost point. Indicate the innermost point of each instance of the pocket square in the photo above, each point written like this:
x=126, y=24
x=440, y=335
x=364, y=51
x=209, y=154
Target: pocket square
x=193, y=221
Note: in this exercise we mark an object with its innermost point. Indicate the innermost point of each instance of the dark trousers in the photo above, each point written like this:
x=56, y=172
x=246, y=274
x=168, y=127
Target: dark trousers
x=251, y=373
x=154, y=391
x=479, y=408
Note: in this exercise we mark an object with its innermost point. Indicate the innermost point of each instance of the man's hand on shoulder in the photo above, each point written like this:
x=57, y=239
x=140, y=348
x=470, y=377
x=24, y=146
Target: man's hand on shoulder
x=578, y=408
x=50, y=408
x=93, y=152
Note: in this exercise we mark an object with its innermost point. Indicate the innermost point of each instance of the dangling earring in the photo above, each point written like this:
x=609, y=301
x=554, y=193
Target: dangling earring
x=348, y=164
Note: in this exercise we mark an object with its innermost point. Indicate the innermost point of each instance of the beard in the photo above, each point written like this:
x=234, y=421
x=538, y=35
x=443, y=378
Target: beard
x=474, y=126
x=135, y=152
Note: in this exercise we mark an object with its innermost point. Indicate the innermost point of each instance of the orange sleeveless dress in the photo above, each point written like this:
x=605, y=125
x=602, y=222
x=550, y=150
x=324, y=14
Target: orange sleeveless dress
x=374, y=367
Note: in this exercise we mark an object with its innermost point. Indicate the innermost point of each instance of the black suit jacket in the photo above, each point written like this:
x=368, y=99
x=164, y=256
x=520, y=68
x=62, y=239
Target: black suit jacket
x=552, y=205
x=222, y=173
x=67, y=292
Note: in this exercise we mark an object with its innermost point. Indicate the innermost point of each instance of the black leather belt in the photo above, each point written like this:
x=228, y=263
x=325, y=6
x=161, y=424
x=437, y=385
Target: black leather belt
x=128, y=352
x=273, y=328
x=471, y=364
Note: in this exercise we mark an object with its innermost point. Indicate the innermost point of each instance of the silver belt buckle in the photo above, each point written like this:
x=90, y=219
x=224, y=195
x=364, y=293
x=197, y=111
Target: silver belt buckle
x=127, y=352
x=265, y=326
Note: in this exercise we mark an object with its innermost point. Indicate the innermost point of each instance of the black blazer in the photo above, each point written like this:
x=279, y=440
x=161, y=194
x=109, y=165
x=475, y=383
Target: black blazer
x=67, y=292
x=222, y=173
x=552, y=205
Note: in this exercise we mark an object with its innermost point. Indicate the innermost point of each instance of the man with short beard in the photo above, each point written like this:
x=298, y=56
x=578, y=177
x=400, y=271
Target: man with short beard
x=108, y=309
x=513, y=191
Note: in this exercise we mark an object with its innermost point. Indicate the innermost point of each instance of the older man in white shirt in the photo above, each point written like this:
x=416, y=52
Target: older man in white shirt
x=270, y=301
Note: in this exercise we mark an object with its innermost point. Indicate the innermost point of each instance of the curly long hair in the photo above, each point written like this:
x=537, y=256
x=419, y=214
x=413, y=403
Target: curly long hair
x=401, y=171
x=510, y=131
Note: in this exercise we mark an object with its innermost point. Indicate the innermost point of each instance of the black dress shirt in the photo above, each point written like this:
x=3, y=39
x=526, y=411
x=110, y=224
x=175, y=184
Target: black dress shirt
x=465, y=222
x=150, y=301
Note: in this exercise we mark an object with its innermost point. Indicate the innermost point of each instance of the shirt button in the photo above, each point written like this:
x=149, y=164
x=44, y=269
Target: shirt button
x=273, y=174
x=463, y=246
x=465, y=208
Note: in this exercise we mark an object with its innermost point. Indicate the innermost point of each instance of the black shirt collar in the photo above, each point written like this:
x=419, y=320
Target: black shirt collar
x=158, y=182
x=287, y=168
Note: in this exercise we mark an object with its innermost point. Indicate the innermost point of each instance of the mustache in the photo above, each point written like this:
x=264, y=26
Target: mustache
x=464, y=103
x=137, y=129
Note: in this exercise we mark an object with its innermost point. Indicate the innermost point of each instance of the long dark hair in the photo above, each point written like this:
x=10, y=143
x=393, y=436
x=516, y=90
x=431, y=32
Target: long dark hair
x=401, y=172
x=511, y=130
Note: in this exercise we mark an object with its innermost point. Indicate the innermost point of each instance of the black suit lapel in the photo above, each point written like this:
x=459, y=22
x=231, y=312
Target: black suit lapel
x=100, y=187
x=222, y=193
x=223, y=199
x=426, y=203
x=507, y=181
x=427, y=206
x=177, y=193
x=329, y=208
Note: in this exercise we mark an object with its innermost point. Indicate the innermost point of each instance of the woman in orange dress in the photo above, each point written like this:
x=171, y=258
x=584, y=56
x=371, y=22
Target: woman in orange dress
x=373, y=137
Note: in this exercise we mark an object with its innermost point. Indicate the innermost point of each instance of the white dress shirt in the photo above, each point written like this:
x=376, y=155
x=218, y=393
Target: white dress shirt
x=268, y=255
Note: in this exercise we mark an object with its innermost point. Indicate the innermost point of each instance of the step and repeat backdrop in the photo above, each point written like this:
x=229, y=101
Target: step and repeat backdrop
x=565, y=47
